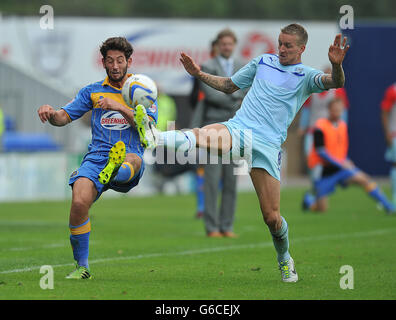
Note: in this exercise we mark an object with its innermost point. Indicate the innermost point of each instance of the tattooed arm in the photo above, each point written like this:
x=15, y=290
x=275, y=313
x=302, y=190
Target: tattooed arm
x=336, y=56
x=336, y=79
x=223, y=84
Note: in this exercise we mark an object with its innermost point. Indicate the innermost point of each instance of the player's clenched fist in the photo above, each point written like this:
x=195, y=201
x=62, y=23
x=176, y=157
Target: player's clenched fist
x=45, y=112
x=109, y=104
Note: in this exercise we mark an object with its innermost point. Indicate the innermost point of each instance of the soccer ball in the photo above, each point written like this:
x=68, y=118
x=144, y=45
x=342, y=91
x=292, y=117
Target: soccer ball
x=139, y=89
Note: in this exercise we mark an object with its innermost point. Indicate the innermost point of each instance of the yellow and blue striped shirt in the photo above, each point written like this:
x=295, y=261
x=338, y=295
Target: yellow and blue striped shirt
x=108, y=127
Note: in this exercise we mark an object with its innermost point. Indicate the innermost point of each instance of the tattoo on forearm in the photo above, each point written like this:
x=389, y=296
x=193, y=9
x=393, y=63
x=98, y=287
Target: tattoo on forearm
x=219, y=83
x=338, y=76
x=334, y=80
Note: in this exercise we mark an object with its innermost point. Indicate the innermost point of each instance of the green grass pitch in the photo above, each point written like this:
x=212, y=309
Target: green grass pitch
x=154, y=248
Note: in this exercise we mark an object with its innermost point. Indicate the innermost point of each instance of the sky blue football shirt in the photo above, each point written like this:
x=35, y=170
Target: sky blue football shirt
x=276, y=94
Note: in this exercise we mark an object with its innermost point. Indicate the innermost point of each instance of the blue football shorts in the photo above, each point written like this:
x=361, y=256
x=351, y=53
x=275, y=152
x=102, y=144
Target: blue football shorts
x=90, y=168
x=326, y=178
x=256, y=152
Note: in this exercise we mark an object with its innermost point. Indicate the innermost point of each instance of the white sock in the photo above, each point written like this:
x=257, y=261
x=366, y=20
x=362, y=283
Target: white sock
x=183, y=141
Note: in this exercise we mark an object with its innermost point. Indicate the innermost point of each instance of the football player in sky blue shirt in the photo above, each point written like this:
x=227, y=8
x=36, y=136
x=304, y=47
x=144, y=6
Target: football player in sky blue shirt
x=279, y=85
x=115, y=155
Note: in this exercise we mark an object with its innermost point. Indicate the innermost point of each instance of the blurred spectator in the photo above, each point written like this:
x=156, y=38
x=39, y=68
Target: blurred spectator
x=329, y=163
x=315, y=108
x=196, y=94
x=217, y=107
x=388, y=106
x=195, y=97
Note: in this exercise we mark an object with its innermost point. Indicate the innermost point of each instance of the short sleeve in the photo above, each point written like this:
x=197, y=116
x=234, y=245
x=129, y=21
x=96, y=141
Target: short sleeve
x=244, y=77
x=81, y=104
x=314, y=81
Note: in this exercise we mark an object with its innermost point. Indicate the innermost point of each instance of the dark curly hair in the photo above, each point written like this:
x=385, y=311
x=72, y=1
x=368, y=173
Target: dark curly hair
x=116, y=43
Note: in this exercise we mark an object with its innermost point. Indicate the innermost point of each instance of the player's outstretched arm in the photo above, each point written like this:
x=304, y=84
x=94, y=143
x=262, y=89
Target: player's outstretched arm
x=337, y=54
x=223, y=84
x=57, y=118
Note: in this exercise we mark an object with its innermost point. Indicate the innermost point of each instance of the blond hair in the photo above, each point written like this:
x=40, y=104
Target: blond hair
x=298, y=30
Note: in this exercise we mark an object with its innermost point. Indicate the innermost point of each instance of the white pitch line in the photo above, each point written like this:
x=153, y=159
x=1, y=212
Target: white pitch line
x=217, y=249
x=49, y=246
x=46, y=246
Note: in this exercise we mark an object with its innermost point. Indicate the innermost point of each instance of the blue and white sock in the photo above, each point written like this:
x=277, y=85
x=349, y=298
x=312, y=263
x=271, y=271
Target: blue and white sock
x=281, y=241
x=183, y=141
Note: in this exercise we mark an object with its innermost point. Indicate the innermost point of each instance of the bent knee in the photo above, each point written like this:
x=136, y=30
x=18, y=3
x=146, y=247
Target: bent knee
x=79, y=205
x=272, y=218
x=134, y=160
x=361, y=178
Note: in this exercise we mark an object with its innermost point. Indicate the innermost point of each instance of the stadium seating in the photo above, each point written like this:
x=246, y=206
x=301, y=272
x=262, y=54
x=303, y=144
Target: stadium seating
x=28, y=142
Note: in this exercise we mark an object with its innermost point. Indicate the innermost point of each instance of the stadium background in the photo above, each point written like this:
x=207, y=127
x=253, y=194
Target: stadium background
x=49, y=66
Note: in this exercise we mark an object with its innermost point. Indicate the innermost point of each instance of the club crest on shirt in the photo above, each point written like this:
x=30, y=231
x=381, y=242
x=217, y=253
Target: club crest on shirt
x=114, y=120
x=74, y=174
x=299, y=70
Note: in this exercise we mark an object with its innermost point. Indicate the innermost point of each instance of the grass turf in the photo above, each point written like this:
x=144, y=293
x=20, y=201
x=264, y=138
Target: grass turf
x=154, y=248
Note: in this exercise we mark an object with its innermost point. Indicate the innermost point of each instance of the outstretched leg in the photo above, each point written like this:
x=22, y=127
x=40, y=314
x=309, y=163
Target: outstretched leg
x=214, y=137
x=372, y=189
x=327, y=185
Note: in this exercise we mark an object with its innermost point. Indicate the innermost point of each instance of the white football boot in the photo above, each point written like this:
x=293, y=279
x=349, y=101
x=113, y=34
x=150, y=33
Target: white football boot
x=288, y=271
